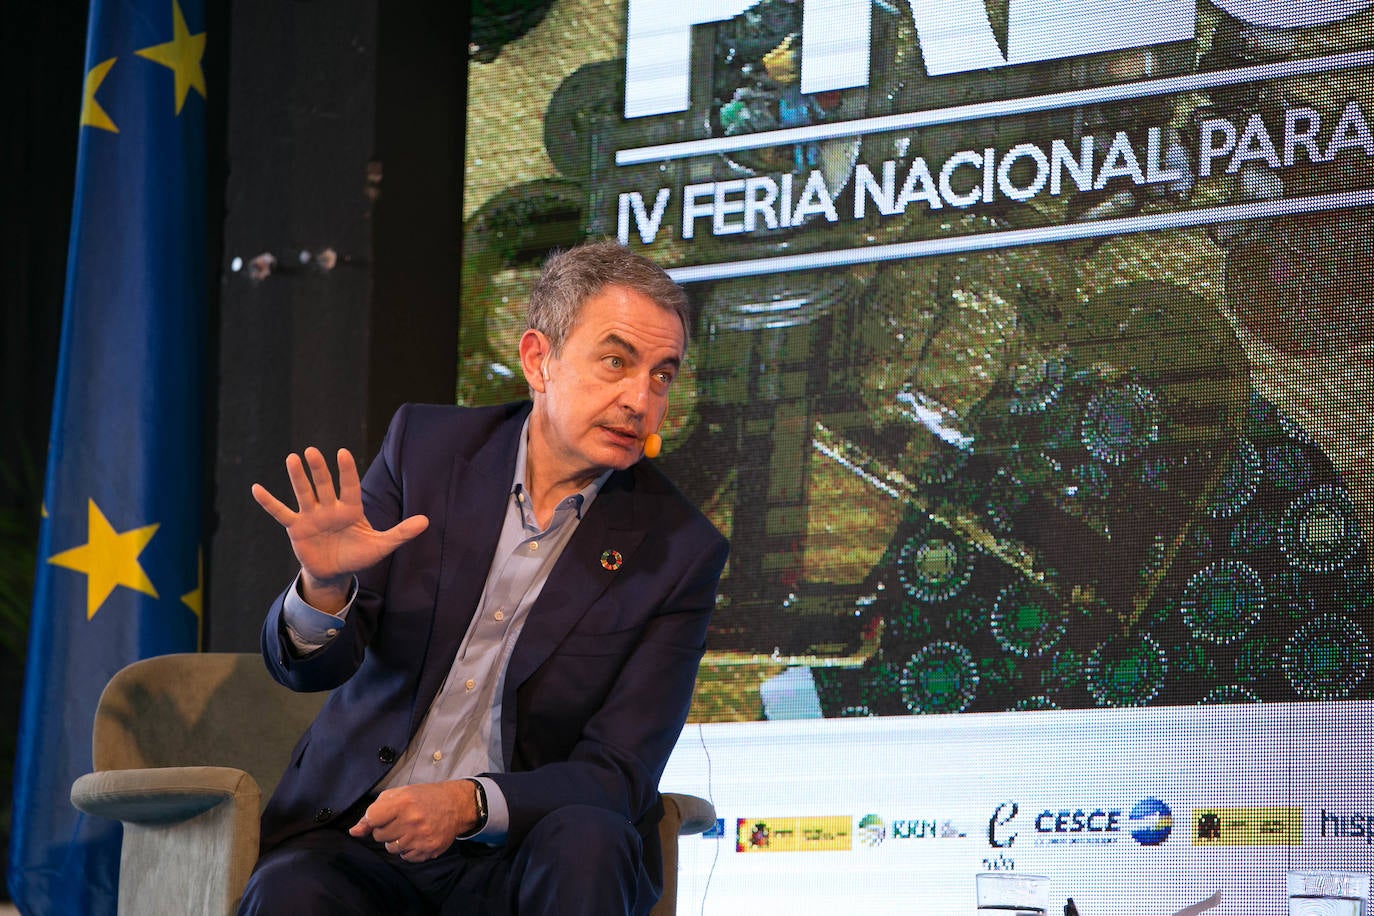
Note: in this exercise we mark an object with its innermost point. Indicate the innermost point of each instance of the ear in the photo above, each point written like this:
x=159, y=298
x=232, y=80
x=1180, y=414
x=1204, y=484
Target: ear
x=534, y=355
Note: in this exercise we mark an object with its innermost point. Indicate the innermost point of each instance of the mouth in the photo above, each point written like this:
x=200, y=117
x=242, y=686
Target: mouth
x=623, y=435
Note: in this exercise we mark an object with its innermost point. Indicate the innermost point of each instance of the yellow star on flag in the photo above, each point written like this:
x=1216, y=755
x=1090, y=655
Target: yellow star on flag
x=182, y=56
x=108, y=559
x=92, y=115
x=194, y=599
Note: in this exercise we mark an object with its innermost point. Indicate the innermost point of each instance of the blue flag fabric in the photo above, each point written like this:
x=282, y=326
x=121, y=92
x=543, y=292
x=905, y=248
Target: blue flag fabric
x=119, y=562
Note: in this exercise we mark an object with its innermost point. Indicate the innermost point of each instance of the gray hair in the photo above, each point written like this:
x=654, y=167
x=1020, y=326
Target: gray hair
x=572, y=276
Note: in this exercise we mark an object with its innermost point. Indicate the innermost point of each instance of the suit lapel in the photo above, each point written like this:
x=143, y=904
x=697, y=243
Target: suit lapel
x=474, y=513
x=577, y=580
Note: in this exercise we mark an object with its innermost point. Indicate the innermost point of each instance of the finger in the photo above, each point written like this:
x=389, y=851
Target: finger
x=362, y=828
x=274, y=507
x=319, y=473
x=379, y=816
x=405, y=530
x=300, y=482
x=350, y=487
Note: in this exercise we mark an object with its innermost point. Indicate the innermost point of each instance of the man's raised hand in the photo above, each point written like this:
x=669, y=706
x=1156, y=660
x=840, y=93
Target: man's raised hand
x=331, y=536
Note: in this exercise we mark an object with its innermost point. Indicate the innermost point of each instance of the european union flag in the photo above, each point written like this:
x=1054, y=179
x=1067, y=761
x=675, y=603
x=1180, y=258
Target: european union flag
x=119, y=561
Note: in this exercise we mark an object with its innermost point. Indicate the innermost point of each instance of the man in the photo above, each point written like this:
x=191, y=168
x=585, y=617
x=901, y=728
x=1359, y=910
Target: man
x=510, y=609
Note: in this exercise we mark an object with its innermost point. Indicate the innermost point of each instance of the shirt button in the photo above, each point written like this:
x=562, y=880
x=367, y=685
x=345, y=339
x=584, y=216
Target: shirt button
x=438, y=755
x=331, y=632
x=534, y=545
x=470, y=684
x=500, y=615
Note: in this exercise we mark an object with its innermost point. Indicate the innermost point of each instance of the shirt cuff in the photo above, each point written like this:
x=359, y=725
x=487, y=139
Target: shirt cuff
x=309, y=628
x=498, y=815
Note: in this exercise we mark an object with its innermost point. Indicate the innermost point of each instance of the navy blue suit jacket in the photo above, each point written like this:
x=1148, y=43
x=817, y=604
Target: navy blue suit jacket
x=600, y=681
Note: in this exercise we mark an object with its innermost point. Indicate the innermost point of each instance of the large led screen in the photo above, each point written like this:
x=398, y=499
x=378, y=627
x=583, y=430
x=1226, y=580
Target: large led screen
x=1030, y=377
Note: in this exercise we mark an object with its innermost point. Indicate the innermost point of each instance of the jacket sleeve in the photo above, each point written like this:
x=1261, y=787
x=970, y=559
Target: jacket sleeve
x=334, y=663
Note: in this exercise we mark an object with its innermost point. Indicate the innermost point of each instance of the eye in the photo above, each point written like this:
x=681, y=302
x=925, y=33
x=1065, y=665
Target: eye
x=614, y=362
x=664, y=377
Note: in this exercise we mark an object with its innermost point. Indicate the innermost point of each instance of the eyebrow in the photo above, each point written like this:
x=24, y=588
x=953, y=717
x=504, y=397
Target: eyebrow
x=633, y=352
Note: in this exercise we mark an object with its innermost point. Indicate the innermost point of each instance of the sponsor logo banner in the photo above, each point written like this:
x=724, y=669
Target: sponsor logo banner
x=1062, y=826
x=793, y=834
x=873, y=829
x=1275, y=825
x=1347, y=825
x=1149, y=822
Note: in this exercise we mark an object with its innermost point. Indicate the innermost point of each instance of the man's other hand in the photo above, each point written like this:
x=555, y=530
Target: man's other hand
x=418, y=822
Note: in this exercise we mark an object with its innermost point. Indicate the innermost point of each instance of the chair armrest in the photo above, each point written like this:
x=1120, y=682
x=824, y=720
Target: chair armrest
x=697, y=814
x=159, y=795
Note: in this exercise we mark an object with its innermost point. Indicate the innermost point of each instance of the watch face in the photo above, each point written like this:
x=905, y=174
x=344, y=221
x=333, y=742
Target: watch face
x=480, y=798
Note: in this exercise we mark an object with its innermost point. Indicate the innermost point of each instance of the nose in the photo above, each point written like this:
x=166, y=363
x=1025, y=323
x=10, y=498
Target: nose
x=636, y=394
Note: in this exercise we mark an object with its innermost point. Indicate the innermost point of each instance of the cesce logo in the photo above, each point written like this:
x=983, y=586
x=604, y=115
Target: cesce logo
x=1079, y=820
x=1151, y=822
x=956, y=36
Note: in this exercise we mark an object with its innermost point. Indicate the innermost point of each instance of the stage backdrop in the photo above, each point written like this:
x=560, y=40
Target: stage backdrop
x=1030, y=380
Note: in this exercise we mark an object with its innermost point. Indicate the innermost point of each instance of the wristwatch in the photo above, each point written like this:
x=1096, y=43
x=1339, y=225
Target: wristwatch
x=481, y=799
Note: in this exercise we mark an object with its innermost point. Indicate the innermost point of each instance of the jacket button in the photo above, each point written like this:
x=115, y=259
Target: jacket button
x=386, y=754
x=323, y=815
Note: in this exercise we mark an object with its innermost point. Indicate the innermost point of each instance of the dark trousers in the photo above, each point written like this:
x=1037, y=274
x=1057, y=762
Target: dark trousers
x=577, y=860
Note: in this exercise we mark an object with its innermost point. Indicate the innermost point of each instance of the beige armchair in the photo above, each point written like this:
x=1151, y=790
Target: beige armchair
x=187, y=749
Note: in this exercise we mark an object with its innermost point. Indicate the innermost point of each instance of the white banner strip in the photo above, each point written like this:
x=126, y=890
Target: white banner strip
x=1095, y=96
x=1012, y=238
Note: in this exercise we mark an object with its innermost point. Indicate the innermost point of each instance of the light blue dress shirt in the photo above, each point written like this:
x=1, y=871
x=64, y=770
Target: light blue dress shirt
x=461, y=733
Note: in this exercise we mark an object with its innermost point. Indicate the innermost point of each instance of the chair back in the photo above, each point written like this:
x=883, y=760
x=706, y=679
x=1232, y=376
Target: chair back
x=201, y=709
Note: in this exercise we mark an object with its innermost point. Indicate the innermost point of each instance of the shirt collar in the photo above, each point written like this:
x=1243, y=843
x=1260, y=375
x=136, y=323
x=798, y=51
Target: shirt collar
x=580, y=500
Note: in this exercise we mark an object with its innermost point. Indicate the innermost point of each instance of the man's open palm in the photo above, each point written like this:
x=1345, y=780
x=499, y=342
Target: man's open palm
x=331, y=536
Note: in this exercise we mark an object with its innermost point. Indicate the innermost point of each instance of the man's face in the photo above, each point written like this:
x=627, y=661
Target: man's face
x=607, y=389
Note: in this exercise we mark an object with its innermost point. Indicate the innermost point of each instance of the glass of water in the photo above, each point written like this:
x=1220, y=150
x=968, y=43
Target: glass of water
x=1007, y=893
x=1327, y=893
